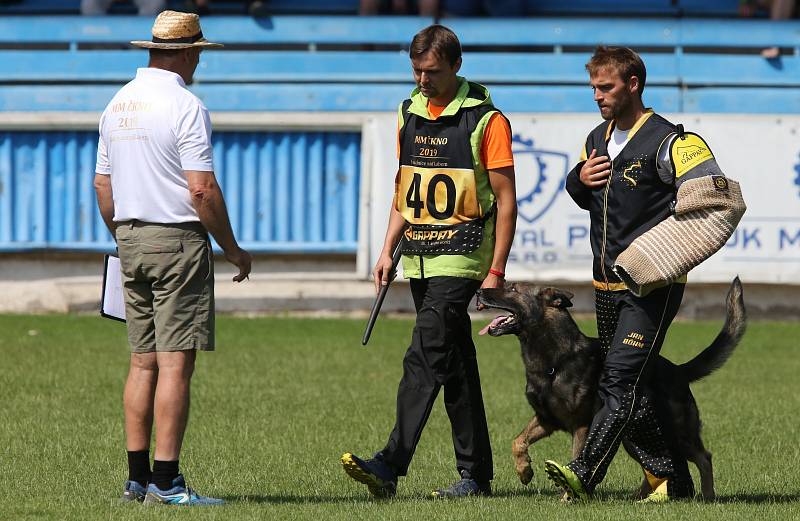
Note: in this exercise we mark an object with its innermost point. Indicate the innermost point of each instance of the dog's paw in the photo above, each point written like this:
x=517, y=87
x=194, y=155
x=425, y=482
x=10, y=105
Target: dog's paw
x=525, y=473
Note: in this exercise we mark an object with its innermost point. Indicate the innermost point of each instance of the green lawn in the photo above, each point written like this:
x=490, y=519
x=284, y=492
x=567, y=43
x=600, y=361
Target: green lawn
x=282, y=398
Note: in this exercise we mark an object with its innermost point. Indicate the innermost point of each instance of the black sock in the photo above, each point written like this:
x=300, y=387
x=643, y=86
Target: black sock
x=139, y=466
x=163, y=473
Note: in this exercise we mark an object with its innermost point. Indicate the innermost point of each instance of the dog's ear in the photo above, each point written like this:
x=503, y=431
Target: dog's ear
x=557, y=298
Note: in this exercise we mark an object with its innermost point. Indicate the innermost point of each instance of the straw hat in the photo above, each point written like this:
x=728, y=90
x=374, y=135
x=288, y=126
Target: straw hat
x=174, y=30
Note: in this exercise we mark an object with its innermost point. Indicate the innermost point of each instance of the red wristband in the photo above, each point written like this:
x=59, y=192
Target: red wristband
x=497, y=273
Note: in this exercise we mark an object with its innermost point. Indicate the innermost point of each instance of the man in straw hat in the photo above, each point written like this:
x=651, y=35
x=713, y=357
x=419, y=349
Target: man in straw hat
x=159, y=197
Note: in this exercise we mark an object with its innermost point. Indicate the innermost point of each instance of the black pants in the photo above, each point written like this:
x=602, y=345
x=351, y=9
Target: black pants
x=630, y=410
x=441, y=354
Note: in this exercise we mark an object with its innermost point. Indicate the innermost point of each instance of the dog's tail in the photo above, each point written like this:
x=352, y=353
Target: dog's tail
x=715, y=355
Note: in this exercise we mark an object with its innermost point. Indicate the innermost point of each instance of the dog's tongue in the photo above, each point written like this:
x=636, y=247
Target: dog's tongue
x=494, y=322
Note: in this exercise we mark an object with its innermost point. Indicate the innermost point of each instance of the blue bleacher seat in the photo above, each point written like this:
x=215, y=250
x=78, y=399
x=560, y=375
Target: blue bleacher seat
x=338, y=64
x=664, y=8
x=240, y=30
x=327, y=63
x=602, y=7
x=48, y=7
x=724, y=8
x=227, y=7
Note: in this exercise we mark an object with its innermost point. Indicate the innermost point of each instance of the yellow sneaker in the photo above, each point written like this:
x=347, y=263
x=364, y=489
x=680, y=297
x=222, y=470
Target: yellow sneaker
x=374, y=473
x=659, y=493
x=564, y=478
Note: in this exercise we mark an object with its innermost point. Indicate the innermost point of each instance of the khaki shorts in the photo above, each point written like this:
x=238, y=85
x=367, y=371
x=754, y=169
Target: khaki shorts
x=168, y=281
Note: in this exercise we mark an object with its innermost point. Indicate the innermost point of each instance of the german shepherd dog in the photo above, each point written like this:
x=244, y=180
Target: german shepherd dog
x=563, y=367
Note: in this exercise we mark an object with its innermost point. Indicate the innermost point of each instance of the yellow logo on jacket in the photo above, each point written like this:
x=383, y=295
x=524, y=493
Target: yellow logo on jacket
x=631, y=173
x=688, y=152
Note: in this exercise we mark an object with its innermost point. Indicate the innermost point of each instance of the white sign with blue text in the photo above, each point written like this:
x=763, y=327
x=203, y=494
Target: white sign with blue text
x=552, y=237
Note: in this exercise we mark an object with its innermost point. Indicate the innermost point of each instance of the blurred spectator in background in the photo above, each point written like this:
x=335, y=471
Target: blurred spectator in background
x=420, y=7
x=483, y=7
x=198, y=6
x=100, y=7
x=258, y=7
x=778, y=10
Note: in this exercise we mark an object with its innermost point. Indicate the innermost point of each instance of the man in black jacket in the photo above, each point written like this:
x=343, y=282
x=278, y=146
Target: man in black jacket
x=642, y=179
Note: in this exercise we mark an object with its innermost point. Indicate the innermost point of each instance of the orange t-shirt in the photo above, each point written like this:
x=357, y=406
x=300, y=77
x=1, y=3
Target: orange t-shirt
x=496, y=145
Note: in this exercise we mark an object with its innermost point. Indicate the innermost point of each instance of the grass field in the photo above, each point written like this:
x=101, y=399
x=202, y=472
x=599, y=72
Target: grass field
x=282, y=398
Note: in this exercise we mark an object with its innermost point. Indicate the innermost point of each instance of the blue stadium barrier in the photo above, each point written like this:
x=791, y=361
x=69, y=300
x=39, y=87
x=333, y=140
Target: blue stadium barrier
x=329, y=66
x=309, y=181
x=340, y=30
x=668, y=34
x=740, y=33
x=302, y=30
x=287, y=192
x=218, y=67
x=319, y=67
x=289, y=97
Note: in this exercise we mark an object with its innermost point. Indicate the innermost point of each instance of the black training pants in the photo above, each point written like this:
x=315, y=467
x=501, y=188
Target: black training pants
x=629, y=408
x=441, y=354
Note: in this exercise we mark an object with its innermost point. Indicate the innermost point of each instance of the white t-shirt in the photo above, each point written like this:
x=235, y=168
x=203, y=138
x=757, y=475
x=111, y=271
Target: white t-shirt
x=151, y=131
x=619, y=138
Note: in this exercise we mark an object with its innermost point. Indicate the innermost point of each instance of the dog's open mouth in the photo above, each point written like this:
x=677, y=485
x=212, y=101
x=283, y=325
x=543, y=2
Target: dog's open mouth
x=501, y=325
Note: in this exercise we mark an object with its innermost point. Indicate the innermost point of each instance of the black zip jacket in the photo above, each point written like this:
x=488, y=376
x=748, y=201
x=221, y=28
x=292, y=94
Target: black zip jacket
x=633, y=200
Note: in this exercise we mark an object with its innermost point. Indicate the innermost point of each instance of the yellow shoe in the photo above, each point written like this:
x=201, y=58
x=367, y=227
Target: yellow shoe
x=564, y=478
x=374, y=473
x=659, y=493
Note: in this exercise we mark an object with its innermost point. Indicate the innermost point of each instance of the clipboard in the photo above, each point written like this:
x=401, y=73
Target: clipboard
x=112, y=300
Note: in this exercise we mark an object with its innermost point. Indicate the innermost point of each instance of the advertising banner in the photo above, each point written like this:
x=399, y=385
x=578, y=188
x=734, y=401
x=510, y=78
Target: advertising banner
x=552, y=236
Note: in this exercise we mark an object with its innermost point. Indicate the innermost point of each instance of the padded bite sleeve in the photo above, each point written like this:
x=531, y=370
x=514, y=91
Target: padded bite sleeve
x=707, y=211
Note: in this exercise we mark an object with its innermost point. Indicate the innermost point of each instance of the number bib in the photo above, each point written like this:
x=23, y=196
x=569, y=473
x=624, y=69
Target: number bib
x=436, y=190
x=442, y=210
x=437, y=196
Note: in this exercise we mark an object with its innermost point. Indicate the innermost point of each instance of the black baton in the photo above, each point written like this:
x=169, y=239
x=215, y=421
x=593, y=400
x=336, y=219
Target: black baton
x=376, y=307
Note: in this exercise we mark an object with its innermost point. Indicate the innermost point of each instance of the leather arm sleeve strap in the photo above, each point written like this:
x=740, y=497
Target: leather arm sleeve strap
x=707, y=212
